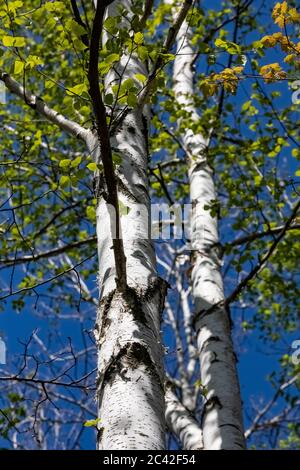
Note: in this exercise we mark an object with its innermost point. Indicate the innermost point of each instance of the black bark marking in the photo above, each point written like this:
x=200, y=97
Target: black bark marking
x=131, y=130
x=211, y=403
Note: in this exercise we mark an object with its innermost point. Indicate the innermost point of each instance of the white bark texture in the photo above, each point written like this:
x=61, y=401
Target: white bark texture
x=131, y=376
x=222, y=416
x=181, y=422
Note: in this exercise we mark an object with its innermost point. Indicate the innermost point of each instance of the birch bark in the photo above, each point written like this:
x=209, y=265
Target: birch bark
x=181, y=422
x=222, y=415
x=130, y=384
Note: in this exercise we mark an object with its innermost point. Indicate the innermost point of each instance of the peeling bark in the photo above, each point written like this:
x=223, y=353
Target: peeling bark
x=222, y=416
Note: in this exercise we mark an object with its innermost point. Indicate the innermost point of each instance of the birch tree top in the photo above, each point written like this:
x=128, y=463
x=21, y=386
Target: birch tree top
x=219, y=77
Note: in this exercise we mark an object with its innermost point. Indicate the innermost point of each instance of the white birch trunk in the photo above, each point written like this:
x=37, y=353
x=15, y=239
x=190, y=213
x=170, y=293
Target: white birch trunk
x=181, y=422
x=222, y=415
x=131, y=377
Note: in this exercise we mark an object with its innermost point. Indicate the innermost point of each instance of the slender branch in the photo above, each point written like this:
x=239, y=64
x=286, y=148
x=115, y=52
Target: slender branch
x=268, y=406
x=238, y=290
x=104, y=142
x=48, y=254
x=73, y=384
x=147, y=12
x=46, y=281
x=36, y=103
x=211, y=33
x=84, y=38
x=170, y=40
x=265, y=258
x=254, y=236
x=160, y=179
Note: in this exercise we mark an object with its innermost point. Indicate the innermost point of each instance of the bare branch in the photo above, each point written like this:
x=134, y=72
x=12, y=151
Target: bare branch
x=46, y=281
x=48, y=254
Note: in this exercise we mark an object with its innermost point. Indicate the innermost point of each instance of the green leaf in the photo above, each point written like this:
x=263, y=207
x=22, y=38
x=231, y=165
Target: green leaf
x=117, y=160
x=74, y=27
x=49, y=84
x=229, y=47
x=14, y=5
x=10, y=41
x=91, y=213
x=127, y=84
x=110, y=24
x=143, y=52
x=65, y=163
x=167, y=57
x=140, y=77
x=19, y=42
x=64, y=180
x=54, y=6
x=156, y=185
x=138, y=38
x=104, y=68
x=18, y=67
x=132, y=100
x=123, y=210
x=111, y=58
x=109, y=99
x=92, y=166
x=32, y=61
x=75, y=163
x=77, y=89
x=246, y=105
x=92, y=422
x=197, y=383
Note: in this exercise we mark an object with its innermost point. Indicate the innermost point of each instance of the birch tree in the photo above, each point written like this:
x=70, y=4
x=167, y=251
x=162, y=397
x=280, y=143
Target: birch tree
x=132, y=296
x=222, y=417
x=112, y=107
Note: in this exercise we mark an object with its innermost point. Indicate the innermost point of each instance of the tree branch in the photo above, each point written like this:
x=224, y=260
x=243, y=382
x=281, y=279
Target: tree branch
x=237, y=291
x=42, y=283
x=104, y=142
x=254, y=236
x=77, y=17
x=47, y=254
x=264, y=259
x=159, y=62
x=36, y=103
x=181, y=422
x=147, y=12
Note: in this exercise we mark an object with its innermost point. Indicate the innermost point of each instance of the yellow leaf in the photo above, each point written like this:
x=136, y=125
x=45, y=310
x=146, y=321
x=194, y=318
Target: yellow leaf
x=284, y=8
x=280, y=21
x=268, y=41
x=238, y=69
x=289, y=58
x=294, y=15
